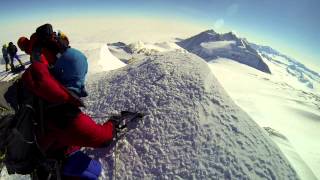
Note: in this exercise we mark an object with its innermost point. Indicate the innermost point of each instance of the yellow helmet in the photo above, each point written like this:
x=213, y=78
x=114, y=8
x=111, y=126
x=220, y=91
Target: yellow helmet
x=5, y=46
x=62, y=35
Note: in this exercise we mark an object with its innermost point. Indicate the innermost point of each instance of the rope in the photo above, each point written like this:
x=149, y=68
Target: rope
x=115, y=158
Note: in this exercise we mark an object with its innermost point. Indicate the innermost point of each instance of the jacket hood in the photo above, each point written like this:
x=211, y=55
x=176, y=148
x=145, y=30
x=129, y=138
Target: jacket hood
x=71, y=69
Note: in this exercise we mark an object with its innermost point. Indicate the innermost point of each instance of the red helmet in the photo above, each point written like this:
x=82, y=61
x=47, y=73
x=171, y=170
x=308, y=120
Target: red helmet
x=23, y=43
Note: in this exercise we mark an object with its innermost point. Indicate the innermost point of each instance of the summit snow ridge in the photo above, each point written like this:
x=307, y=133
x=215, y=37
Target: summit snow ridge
x=192, y=129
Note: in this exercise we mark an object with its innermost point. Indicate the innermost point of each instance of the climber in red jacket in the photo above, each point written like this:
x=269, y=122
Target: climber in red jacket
x=57, y=76
x=67, y=125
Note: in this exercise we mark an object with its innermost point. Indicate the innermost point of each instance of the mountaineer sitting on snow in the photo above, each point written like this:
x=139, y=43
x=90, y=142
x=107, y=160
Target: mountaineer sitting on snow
x=60, y=88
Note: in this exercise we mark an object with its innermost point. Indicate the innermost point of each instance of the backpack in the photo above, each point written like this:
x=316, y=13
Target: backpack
x=15, y=49
x=44, y=31
x=12, y=49
x=18, y=147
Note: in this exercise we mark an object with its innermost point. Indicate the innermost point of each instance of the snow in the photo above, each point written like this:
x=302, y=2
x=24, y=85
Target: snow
x=192, y=130
x=139, y=50
x=7, y=75
x=281, y=102
x=218, y=45
x=294, y=158
x=215, y=48
x=106, y=61
x=157, y=47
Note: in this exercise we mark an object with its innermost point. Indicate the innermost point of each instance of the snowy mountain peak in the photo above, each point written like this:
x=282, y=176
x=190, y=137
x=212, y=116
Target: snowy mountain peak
x=229, y=36
x=211, y=35
x=210, y=45
x=101, y=59
x=192, y=129
x=206, y=36
x=209, y=32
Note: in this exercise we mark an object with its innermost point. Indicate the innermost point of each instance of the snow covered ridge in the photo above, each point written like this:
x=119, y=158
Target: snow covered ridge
x=192, y=130
x=210, y=45
x=293, y=67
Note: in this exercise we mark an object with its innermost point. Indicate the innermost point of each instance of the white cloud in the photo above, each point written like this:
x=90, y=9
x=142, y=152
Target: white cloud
x=109, y=29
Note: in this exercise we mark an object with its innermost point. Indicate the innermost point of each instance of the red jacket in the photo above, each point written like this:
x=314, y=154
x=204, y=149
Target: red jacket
x=49, y=51
x=80, y=130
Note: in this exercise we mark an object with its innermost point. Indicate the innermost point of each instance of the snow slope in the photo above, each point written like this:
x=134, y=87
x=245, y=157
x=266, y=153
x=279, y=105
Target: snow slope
x=192, y=130
x=295, y=159
x=280, y=102
x=210, y=45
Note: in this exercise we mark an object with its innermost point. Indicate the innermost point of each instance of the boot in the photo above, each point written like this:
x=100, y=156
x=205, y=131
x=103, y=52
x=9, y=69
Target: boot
x=12, y=67
x=20, y=62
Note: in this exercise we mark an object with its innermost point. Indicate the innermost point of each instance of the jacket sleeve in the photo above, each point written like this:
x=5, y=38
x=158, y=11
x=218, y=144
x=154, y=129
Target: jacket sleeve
x=85, y=132
x=38, y=80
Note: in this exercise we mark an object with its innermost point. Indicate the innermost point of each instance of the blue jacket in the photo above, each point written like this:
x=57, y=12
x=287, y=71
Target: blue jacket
x=71, y=69
x=4, y=52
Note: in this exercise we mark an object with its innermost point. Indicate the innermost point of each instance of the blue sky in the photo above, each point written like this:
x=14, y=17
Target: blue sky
x=291, y=26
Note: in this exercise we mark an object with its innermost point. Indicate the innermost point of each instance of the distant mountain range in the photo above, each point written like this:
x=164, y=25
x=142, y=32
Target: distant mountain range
x=292, y=66
x=211, y=46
